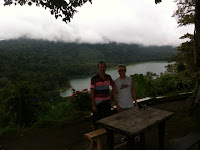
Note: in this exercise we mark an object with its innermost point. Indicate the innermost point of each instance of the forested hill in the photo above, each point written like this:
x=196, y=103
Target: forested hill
x=53, y=62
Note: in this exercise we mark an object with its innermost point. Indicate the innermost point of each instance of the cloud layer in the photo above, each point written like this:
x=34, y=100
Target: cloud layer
x=130, y=21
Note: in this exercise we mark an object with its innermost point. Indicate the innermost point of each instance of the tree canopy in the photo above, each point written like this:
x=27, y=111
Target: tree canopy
x=58, y=8
x=188, y=12
x=185, y=12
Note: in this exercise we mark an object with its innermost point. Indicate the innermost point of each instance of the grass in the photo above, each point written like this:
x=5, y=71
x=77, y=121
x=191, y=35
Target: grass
x=44, y=124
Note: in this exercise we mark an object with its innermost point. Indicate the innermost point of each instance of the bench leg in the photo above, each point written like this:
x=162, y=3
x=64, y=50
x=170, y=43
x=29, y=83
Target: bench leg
x=99, y=145
x=92, y=142
x=199, y=145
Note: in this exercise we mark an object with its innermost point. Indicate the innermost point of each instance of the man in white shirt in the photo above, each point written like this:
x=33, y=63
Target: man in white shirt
x=125, y=89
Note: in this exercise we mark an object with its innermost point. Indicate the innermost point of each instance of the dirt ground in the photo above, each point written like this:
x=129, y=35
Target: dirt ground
x=71, y=136
x=67, y=137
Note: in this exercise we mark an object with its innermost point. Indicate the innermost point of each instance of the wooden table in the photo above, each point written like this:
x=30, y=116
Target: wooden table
x=135, y=121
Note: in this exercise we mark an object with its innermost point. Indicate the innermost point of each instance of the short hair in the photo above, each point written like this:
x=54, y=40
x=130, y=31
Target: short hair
x=101, y=62
x=122, y=65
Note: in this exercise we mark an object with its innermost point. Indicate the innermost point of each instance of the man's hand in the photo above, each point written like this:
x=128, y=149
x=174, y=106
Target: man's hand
x=94, y=108
x=118, y=108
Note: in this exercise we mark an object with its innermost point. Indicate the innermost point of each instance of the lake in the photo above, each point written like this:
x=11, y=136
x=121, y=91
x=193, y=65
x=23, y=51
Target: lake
x=138, y=68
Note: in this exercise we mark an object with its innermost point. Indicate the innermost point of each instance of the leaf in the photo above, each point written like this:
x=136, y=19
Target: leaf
x=52, y=12
x=29, y=3
x=187, y=35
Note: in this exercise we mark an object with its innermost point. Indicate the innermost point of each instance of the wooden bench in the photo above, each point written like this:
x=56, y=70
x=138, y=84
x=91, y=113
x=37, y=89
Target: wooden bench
x=95, y=137
x=186, y=142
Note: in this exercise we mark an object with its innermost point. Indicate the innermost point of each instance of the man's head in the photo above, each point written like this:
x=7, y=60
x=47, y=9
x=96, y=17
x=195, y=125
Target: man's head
x=102, y=67
x=121, y=70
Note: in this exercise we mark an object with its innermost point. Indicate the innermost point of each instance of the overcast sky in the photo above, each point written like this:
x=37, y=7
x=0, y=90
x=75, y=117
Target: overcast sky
x=123, y=21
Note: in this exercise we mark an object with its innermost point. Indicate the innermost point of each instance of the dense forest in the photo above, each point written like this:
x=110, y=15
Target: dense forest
x=48, y=65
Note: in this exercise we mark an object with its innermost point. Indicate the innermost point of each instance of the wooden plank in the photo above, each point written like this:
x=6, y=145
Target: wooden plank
x=128, y=125
x=96, y=133
x=120, y=145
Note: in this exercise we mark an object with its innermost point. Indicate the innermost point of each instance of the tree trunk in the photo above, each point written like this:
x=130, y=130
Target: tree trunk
x=197, y=97
x=197, y=42
x=197, y=35
x=195, y=110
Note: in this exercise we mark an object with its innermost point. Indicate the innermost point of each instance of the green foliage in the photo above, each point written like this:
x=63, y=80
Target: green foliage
x=11, y=130
x=185, y=15
x=17, y=106
x=52, y=112
x=143, y=85
x=185, y=12
x=175, y=83
x=58, y=8
x=187, y=35
x=80, y=100
x=185, y=55
x=47, y=66
x=4, y=82
x=44, y=112
x=151, y=85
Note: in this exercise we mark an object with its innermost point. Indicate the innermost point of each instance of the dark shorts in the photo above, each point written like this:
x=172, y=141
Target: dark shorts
x=103, y=110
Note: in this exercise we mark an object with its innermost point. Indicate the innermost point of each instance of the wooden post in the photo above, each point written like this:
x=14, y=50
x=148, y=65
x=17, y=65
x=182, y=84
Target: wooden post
x=130, y=143
x=95, y=137
x=110, y=139
x=161, y=135
x=142, y=140
x=99, y=145
x=92, y=145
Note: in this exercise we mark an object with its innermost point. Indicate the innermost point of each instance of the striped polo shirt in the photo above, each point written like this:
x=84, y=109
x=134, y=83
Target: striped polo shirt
x=101, y=88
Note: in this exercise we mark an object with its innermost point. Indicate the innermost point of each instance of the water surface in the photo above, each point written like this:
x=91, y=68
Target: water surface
x=138, y=68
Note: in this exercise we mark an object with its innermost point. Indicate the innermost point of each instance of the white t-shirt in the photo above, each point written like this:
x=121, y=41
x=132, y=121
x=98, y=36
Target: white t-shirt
x=124, y=95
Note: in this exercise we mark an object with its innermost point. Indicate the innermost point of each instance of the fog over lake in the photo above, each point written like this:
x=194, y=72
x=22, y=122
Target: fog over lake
x=138, y=68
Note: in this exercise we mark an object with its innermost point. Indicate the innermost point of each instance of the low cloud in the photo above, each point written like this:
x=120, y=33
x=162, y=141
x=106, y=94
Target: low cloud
x=138, y=21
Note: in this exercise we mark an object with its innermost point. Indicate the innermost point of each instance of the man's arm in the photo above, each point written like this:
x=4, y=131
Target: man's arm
x=133, y=93
x=93, y=100
x=114, y=92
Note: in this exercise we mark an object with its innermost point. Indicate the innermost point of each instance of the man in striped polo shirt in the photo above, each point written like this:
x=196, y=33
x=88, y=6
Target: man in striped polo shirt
x=100, y=96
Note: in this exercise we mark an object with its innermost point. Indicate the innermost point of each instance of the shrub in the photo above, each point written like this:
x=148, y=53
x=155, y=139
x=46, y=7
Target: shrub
x=17, y=106
x=80, y=100
x=53, y=112
x=143, y=85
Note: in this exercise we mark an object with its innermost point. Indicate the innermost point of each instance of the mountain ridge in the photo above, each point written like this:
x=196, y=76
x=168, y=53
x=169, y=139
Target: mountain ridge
x=51, y=64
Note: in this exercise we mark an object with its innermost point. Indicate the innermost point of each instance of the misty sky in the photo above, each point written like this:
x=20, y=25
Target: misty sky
x=123, y=21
